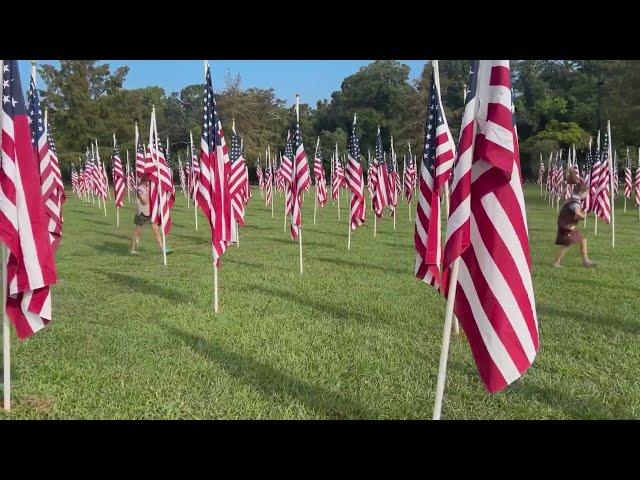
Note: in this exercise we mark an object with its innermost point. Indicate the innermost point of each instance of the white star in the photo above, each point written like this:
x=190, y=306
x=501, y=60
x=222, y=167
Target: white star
x=13, y=102
x=5, y=84
x=5, y=98
x=5, y=68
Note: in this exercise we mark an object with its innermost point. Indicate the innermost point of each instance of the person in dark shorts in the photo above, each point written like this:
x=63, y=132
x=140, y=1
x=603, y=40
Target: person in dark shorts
x=143, y=217
x=568, y=218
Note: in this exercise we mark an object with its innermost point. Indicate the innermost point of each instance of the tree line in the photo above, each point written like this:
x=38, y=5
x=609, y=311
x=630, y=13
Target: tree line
x=558, y=103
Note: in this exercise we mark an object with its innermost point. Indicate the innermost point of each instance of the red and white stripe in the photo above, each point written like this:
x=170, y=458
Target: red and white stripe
x=338, y=179
x=30, y=264
x=321, y=182
x=301, y=180
x=118, y=180
x=628, y=182
x=487, y=231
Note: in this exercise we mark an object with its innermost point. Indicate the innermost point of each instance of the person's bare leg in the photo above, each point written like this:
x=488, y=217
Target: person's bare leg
x=561, y=252
x=156, y=233
x=585, y=258
x=134, y=240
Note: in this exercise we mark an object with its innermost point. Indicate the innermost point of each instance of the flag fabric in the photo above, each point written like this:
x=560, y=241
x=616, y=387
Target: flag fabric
x=603, y=200
x=393, y=184
x=49, y=186
x=409, y=178
x=301, y=179
x=214, y=196
x=355, y=180
x=594, y=181
x=118, y=176
x=286, y=172
x=30, y=264
x=195, y=178
x=338, y=178
x=237, y=180
x=381, y=194
x=487, y=232
x=59, y=194
x=160, y=191
x=637, y=182
x=246, y=194
x=131, y=179
x=75, y=181
x=586, y=180
x=140, y=155
x=260, y=176
x=268, y=197
x=436, y=159
x=628, y=178
x=183, y=180
x=372, y=177
x=319, y=175
x=541, y=171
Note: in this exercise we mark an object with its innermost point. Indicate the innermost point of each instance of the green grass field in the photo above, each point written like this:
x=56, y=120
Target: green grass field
x=355, y=337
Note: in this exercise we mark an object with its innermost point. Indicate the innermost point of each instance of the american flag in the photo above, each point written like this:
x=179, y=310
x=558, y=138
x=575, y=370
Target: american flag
x=183, y=180
x=381, y=193
x=586, y=180
x=30, y=266
x=268, y=198
x=615, y=175
x=131, y=179
x=394, y=180
x=157, y=170
x=594, y=180
x=260, y=175
x=637, y=182
x=321, y=182
x=541, y=171
x=372, y=177
x=214, y=196
x=409, y=177
x=140, y=157
x=300, y=181
x=118, y=175
x=237, y=180
x=246, y=192
x=75, y=180
x=285, y=172
x=628, y=178
x=487, y=232
x=338, y=178
x=438, y=152
x=55, y=166
x=99, y=182
x=49, y=187
x=603, y=202
x=355, y=180
x=195, y=178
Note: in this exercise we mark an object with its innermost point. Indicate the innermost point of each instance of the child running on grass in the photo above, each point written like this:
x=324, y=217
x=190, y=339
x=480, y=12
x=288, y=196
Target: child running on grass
x=143, y=217
x=569, y=216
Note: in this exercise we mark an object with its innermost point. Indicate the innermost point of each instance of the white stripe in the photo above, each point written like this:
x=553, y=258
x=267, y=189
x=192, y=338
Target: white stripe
x=491, y=341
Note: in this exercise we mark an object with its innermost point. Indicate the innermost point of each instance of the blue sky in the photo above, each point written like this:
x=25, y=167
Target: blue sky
x=313, y=79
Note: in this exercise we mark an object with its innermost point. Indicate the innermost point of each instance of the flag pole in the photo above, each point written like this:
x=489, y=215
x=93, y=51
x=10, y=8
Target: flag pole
x=293, y=170
x=6, y=340
x=315, y=203
x=128, y=176
x=195, y=208
x=613, y=205
x=446, y=340
x=153, y=129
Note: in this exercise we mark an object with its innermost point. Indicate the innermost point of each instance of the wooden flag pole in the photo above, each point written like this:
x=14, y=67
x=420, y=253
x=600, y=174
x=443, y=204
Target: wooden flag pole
x=6, y=340
x=293, y=171
x=154, y=148
x=446, y=340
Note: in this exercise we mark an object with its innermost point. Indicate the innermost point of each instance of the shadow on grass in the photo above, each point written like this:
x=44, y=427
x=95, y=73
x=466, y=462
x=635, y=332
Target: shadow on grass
x=271, y=382
x=603, y=322
x=289, y=241
x=112, y=247
x=371, y=266
x=144, y=286
x=335, y=311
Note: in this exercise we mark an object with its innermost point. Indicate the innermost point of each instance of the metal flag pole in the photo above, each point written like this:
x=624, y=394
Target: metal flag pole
x=293, y=179
x=315, y=204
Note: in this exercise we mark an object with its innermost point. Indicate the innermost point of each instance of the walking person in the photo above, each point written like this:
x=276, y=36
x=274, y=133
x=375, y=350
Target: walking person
x=143, y=217
x=568, y=233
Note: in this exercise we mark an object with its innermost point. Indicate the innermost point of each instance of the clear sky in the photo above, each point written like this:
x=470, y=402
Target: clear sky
x=313, y=79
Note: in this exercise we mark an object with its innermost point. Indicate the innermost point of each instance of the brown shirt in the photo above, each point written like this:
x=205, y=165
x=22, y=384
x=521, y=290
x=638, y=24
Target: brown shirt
x=568, y=217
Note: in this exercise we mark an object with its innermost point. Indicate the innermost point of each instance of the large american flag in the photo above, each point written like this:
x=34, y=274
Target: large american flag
x=237, y=178
x=214, y=195
x=30, y=266
x=487, y=232
x=381, y=188
x=628, y=177
x=437, y=157
x=319, y=175
x=49, y=186
x=300, y=181
x=161, y=196
x=355, y=180
x=118, y=175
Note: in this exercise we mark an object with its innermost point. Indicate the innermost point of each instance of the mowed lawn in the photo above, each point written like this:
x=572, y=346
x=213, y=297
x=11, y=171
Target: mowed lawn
x=355, y=337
